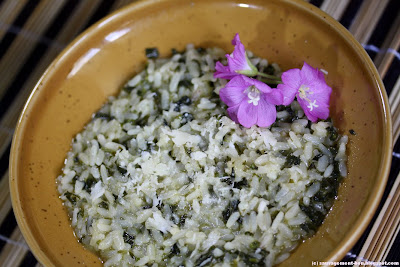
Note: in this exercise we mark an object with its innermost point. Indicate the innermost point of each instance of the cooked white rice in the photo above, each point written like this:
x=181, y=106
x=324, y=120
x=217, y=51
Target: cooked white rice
x=162, y=177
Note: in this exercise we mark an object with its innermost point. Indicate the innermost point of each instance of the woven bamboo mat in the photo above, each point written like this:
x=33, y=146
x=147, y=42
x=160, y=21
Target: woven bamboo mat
x=33, y=32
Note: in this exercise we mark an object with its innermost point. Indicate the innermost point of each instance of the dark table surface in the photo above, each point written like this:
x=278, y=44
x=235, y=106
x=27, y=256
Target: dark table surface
x=34, y=32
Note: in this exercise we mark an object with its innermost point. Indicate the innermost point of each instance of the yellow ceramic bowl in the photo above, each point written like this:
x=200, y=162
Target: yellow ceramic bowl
x=101, y=60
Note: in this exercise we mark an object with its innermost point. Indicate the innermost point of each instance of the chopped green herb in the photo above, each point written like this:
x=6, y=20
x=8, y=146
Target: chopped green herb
x=185, y=83
x=253, y=166
x=332, y=133
x=285, y=153
x=141, y=92
x=201, y=50
x=211, y=191
x=291, y=161
x=333, y=150
x=157, y=101
x=160, y=206
x=152, y=52
x=142, y=121
x=240, y=184
x=311, y=166
x=103, y=205
x=182, y=220
x=104, y=116
x=291, y=114
x=122, y=170
x=251, y=259
x=177, y=108
x=232, y=206
x=185, y=100
x=186, y=117
x=89, y=182
x=322, y=201
x=71, y=197
x=280, y=108
x=128, y=238
x=270, y=70
x=317, y=156
x=175, y=250
x=254, y=245
x=240, y=148
x=174, y=51
x=81, y=213
x=182, y=60
x=205, y=259
x=316, y=217
x=309, y=126
x=228, y=180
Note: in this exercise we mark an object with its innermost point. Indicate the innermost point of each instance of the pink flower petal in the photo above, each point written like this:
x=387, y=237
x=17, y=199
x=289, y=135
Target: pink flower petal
x=314, y=94
x=223, y=72
x=321, y=93
x=236, y=40
x=233, y=113
x=266, y=114
x=309, y=75
x=316, y=107
x=291, y=83
x=322, y=112
x=303, y=103
x=260, y=85
x=232, y=94
x=238, y=61
x=292, y=78
x=274, y=97
x=247, y=114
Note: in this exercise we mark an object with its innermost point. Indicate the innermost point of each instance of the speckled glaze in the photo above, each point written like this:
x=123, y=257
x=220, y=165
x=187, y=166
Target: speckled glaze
x=101, y=60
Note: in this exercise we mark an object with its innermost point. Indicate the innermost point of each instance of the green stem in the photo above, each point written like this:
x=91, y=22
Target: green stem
x=271, y=77
x=271, y=81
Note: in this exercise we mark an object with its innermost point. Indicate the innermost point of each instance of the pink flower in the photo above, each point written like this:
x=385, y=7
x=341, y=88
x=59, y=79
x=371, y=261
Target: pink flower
x=238, y=63
x=311, y=90
x=250, y=101
x=223, y=72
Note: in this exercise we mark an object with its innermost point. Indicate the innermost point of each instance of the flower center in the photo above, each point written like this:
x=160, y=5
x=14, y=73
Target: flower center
x=303, y=93
x=253, y=94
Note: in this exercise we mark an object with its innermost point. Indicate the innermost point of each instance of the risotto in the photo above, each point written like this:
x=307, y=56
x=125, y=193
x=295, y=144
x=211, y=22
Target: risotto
x=162, y=177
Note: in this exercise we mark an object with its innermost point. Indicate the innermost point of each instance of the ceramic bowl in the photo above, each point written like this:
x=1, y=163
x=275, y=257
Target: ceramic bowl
x=104, y=57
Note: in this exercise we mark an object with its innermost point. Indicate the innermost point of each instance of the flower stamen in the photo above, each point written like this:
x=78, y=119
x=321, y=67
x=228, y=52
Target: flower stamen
x=253, y=94
x=312, y=105
x=304, y=91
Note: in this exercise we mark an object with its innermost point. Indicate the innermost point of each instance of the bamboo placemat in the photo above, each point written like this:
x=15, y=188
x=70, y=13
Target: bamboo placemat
x=33, y=32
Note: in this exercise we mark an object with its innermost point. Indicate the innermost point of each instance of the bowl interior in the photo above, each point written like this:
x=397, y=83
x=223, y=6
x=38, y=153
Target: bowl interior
x=101, y=60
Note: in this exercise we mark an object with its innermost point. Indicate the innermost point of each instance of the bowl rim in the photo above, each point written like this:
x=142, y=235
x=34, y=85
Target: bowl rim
x=362, y=223
x=349, y=239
